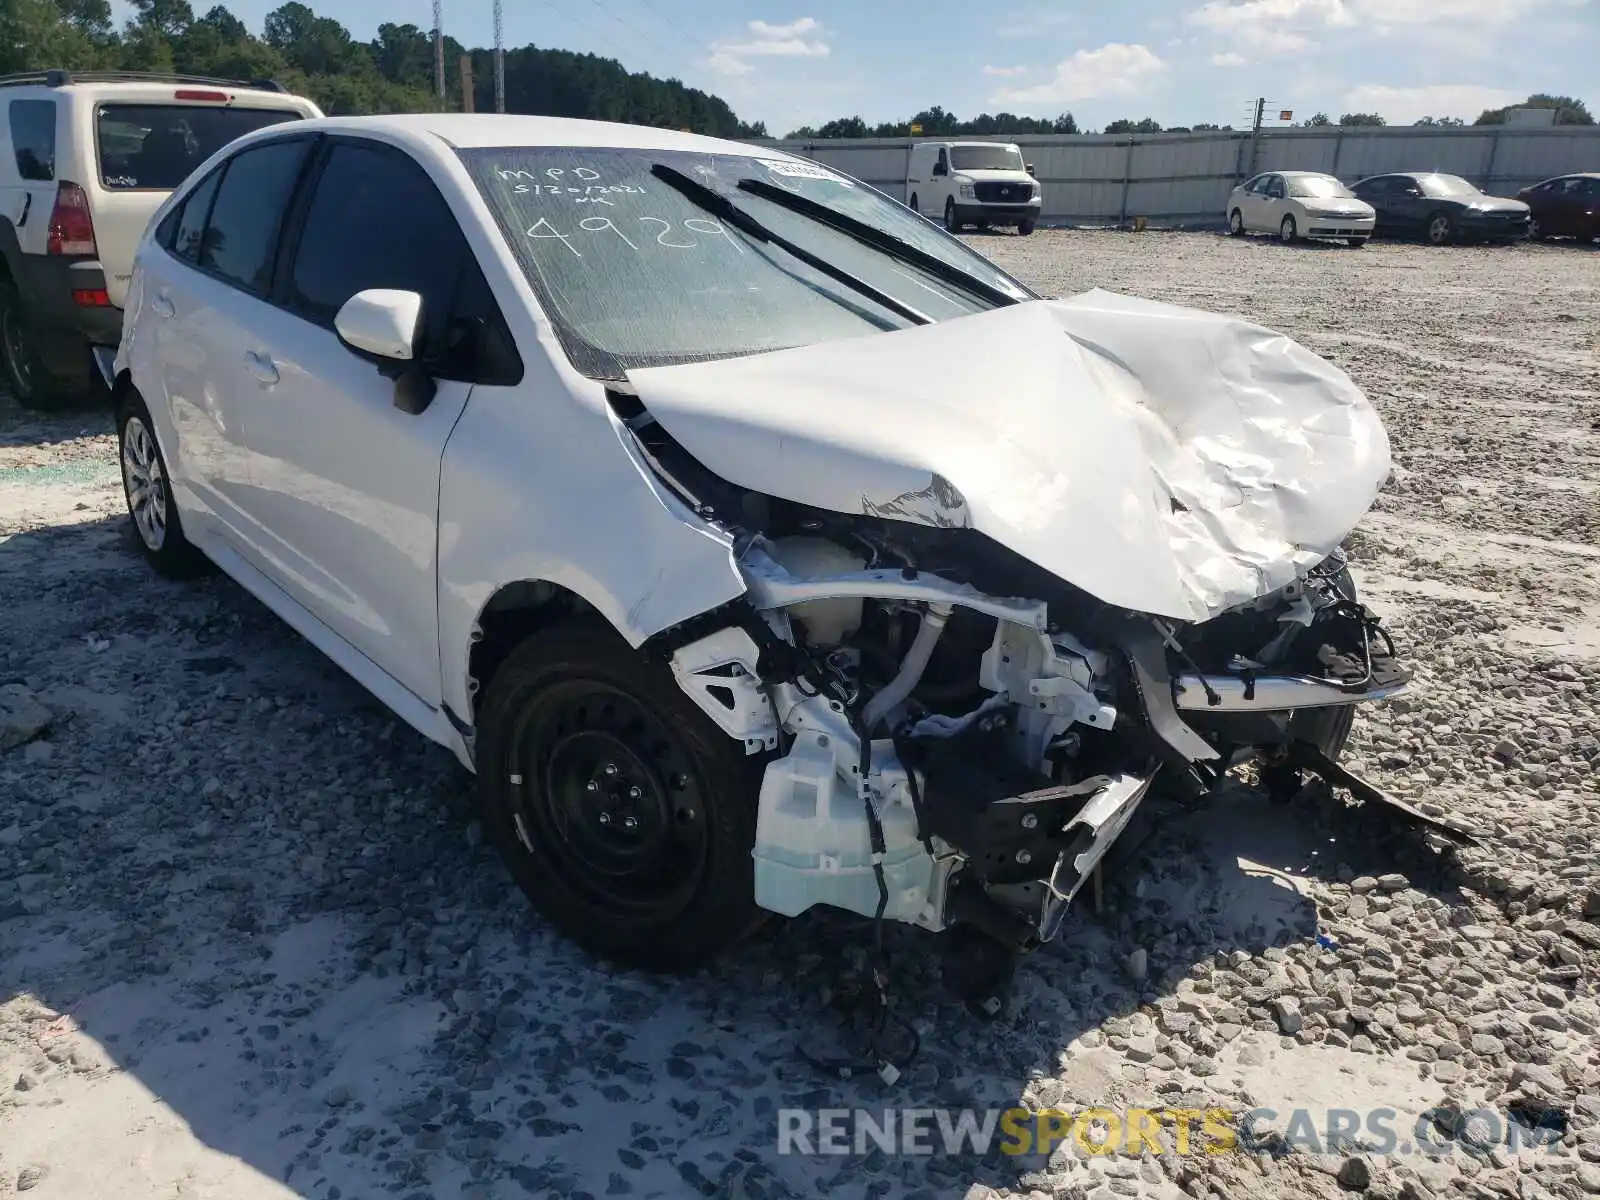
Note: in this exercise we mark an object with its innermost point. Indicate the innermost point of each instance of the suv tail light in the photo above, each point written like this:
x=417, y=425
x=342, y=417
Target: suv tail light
x=71, y=229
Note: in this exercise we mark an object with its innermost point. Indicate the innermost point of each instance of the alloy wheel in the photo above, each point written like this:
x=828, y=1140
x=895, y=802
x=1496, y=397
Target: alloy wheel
x=145, y=483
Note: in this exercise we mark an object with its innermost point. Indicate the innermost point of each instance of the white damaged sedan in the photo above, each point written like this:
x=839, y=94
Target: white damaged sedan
x=755, y=542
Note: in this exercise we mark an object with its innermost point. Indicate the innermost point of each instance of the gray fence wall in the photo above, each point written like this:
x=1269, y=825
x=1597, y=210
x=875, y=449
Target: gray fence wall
x=1184, y=178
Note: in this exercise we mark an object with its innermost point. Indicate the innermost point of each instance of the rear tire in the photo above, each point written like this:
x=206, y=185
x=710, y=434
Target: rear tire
x=147, y=491
x=915, y=206
x=623, y=813
x=25, y=371
x=1236, y=223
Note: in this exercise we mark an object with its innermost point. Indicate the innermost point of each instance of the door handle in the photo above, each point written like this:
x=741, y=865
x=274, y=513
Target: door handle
x=163, y=305
x=261, y=366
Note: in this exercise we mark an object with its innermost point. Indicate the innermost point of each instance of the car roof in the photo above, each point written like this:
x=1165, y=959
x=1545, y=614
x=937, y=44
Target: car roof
x=1300, y=174
x=468, y=131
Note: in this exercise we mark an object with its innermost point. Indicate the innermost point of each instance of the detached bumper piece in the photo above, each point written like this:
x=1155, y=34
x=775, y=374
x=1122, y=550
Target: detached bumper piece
x=1306, y=756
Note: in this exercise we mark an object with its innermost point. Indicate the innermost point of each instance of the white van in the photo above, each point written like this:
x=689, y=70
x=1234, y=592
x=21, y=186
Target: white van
x=973, y=183
x=85, y=159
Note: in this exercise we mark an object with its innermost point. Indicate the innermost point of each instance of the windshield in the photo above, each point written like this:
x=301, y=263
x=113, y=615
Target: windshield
x=1446, y=185
x=986, y=158
x=157, y=145
x=1319, y=187
x=634, y=274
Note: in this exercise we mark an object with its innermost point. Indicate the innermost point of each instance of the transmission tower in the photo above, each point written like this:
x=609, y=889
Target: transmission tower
x=499, y=62
x=438, y=49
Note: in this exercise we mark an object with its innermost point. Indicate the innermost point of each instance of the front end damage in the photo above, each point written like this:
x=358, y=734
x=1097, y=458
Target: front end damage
x=945, y=756
x=980, y=628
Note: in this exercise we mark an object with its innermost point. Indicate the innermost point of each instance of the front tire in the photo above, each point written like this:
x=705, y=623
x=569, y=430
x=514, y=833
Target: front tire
x=1287, y=232
x=950, y=222
x=1025, y=228
x=623, y=813
x=1441, y=229
x=146, y=487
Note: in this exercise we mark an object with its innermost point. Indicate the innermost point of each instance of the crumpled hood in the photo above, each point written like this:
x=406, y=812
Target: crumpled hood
x=1162, y=459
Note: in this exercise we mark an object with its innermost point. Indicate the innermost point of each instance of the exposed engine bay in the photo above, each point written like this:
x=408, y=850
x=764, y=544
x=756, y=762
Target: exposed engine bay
x=956, y=737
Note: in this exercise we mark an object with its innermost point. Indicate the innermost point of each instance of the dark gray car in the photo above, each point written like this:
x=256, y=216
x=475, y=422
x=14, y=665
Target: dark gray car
x=1441, y=208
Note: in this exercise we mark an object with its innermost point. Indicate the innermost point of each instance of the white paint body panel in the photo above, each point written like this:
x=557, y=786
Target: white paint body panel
x=1067, y=430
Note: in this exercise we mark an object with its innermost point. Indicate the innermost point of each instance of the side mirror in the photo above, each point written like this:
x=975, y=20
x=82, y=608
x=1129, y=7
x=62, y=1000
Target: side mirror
x=1032, y=170
x=382, y=324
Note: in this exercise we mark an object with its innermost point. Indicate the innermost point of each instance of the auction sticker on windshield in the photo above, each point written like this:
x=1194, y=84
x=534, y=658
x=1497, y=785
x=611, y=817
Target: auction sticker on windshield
x=801, y=170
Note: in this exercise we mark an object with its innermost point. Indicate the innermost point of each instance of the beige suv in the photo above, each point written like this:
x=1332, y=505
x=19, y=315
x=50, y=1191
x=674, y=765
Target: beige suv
x=85, y=159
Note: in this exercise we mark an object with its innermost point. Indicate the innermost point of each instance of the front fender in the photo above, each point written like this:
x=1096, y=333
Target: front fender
x=533, y=488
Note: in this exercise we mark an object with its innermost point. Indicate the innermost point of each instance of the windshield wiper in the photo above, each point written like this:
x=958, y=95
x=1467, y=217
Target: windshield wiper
x=718, y=205
x=870, y=235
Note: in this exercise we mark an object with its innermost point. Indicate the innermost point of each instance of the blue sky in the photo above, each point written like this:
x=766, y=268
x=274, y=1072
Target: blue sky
x=1179, y=61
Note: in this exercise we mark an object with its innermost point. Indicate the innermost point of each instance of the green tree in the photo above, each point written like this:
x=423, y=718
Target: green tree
x=1445, y=122
x=1145, y=125
x=1360, y=120
x=1317, y=120
x=36, y=34
x=168, y=18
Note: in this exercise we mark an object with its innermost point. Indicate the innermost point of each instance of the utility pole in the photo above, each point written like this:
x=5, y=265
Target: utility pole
x=438, y=50
x=499, y=61
x=1255, y=136
x=467, y=98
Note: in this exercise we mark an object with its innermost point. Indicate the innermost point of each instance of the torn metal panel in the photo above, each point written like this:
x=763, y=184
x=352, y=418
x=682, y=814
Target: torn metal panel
x=1163, y=459
x=938, y=505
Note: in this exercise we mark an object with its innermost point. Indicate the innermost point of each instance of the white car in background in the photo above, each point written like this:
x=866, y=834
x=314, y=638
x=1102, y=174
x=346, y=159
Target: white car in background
x=1299, y=204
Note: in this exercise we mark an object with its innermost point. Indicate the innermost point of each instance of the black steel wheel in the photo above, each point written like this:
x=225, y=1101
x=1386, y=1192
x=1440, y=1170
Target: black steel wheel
x=624, y=814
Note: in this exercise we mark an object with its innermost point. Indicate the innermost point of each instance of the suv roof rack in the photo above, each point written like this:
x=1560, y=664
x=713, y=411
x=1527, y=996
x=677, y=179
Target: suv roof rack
x=56, y=77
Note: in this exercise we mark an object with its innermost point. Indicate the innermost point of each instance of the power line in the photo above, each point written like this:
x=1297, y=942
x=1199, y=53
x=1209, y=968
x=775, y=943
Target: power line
x=671, y=23
x=565, y=15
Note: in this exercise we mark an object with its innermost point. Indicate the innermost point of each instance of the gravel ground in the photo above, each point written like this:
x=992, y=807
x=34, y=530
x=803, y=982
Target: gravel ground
x=252, y=943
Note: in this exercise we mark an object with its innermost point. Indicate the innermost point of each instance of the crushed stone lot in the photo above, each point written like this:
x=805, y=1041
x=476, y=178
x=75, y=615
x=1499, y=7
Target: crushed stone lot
x=253, y=943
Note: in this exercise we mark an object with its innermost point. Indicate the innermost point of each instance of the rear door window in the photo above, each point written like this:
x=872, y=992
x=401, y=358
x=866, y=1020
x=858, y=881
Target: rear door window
x=241, y=237
x=33, y=138
x=187, y=240
x=155, y=146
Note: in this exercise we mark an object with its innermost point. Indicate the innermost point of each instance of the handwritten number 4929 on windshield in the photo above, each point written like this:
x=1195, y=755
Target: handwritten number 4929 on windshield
x=664, y=235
